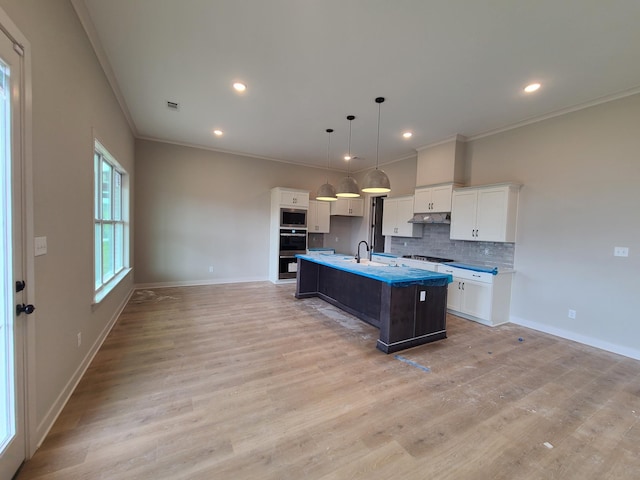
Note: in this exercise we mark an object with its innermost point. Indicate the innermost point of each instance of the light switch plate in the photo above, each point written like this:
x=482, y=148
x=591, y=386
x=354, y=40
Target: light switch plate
x=40, y=246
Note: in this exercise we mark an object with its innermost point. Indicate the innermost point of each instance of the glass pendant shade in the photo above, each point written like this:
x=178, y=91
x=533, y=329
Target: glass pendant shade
x=348, y=188
x=376, y=181
x=326, y=193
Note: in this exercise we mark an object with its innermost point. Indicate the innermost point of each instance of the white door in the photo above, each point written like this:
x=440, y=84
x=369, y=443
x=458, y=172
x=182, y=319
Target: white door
x=12, y=425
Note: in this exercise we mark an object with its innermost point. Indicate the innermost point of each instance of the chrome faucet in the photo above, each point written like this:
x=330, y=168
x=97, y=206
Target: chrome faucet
x=358, y=253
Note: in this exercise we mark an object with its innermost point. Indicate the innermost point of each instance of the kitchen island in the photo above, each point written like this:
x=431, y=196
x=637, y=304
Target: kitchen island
x=408, y=305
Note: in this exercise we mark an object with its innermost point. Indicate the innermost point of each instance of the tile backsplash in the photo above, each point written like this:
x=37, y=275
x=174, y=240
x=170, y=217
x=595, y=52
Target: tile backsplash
x=435, y=242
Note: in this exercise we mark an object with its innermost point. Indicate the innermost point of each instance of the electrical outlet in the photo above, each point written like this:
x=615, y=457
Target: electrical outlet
x=620, y=251
x=572, y=313
x=211, y=269
x=79, y=339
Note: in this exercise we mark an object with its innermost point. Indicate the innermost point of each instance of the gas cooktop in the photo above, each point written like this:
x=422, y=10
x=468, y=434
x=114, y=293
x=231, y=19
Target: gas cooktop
x=426, y=258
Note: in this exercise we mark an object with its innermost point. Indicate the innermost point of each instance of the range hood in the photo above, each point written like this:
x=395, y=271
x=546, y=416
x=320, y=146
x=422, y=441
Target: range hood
x=430, y=218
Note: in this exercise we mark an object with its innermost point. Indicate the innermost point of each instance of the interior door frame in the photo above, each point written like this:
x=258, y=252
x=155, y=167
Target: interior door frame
x=13, y=32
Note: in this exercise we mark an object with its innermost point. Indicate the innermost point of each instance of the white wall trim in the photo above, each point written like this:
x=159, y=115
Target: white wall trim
x=196, y=283
x=576, y=337
x=51, y=416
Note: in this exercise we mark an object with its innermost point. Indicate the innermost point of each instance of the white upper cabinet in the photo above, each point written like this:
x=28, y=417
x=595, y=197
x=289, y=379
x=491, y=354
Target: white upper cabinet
x=434, y=199
x=395, y=216
x=348, y=207
x=486, y=214
x=318, y=220
x=293, y=198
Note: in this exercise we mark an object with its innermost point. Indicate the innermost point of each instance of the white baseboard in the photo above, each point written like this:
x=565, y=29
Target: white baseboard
x=576, y=337
x=195, y=283
x=50, y=418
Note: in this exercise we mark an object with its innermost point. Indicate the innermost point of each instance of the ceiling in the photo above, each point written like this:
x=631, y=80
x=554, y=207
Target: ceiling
x=445, y=67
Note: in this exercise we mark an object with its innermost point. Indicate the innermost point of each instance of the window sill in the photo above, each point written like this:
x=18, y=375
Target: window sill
x=108, y=287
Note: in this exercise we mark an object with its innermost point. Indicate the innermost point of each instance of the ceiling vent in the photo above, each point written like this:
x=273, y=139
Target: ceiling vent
x=172, y=105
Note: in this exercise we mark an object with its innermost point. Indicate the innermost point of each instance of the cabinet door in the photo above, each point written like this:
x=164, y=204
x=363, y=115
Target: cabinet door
x=318, y=217
x=340, y=207
x=441, y=198
x=312, y=216
x=294, y=199
x=404, y=212
x=422, y=201
x=356, y=207
x=476, y=299
x=463, y=215
x=454, y=294
x=322, y=217
x=389, y=215
x=491, y=222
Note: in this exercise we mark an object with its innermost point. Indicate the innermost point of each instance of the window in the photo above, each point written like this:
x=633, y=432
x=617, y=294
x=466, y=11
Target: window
x=111, y=229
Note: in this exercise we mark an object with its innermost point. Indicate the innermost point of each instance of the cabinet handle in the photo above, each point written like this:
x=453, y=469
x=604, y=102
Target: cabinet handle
x=458, y=285
x=462, y=285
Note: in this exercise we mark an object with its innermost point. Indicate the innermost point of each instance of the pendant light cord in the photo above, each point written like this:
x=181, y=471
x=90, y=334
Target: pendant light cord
x=350, y=118
x=379, y=100
x=329, y=131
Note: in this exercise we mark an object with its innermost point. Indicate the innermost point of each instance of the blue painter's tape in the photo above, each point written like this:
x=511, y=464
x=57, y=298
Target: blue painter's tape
x=412, y=363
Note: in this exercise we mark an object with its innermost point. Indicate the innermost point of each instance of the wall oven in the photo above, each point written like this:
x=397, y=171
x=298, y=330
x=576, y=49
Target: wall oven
x=293, y=218
x=292, y=241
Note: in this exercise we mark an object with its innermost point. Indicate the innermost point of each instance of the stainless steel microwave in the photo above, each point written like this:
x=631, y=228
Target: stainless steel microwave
x=293, y=218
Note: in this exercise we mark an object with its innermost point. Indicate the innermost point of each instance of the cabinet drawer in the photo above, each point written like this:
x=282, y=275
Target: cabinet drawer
x=465, y=274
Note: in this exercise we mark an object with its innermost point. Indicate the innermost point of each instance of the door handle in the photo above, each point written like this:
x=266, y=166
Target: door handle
x=27, y=309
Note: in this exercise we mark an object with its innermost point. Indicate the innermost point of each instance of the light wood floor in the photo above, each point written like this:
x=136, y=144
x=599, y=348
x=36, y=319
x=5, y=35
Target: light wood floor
x=245, y=382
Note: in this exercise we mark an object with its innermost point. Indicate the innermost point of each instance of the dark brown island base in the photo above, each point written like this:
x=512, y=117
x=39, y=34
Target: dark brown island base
x=408, y=305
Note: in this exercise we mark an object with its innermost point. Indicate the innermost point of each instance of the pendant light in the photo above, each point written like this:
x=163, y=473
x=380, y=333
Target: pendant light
x=376, y=181
x=348, y=187
x=327, y=192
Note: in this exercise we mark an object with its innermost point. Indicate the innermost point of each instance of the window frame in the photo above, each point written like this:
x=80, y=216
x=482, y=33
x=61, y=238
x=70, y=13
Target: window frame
x=117, y=219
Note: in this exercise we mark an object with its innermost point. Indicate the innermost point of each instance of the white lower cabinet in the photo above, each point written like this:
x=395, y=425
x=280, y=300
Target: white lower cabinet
x=479, y=296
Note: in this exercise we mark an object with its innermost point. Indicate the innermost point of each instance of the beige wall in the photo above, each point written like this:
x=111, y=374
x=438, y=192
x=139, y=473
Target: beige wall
x=70, y=96
x=581, y=195
x=197, y=208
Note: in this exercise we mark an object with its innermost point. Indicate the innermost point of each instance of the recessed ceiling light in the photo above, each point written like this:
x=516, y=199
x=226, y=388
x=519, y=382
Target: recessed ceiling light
x=347, y=157
x=407, y=134
x=532, y=87
x=218, y=133
x=239, y=87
